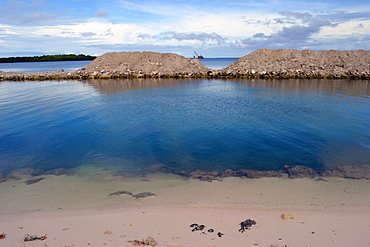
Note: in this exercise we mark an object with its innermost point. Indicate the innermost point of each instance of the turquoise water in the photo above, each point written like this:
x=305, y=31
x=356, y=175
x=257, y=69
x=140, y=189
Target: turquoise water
x=213, y=125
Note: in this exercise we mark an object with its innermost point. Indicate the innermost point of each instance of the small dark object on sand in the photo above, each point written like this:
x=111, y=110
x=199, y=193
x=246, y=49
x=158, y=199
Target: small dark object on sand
x=121, y=192
x=2, y=235
x=149, y=241
x=29, y=238
x=210, y=230
x=197, y=227
x=33, y=181
x=219, y=234
x=246, y=225
x=143, y=194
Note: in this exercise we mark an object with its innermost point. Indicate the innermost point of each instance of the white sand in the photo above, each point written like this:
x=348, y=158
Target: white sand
x=77, y=211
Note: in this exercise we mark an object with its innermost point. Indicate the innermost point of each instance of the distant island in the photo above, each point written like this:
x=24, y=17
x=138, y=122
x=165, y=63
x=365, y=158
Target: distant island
x=46, y=58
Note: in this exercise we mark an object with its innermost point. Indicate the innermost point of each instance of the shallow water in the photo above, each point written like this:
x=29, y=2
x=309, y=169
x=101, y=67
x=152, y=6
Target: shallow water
x=123, y=125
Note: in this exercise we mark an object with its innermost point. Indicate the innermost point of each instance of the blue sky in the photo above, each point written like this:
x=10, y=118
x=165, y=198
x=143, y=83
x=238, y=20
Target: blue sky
x=213, y=28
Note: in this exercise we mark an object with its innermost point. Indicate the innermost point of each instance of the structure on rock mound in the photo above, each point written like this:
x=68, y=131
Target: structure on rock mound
x=265, y=61
x=147, y=63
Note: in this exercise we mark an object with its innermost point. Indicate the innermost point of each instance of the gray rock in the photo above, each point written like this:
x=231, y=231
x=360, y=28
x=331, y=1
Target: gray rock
x=205, y=175
x=299, y=172
x=259, y=174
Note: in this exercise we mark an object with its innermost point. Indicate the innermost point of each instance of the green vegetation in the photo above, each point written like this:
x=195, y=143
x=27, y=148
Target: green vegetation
x=44, y=58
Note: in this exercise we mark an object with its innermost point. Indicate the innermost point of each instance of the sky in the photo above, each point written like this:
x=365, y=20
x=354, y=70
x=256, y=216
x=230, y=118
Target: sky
x=231, y=28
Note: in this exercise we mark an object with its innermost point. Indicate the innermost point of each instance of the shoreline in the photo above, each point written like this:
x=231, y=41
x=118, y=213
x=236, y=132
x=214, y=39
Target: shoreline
x=78, y=211
x=211, y=74
x=360, y=172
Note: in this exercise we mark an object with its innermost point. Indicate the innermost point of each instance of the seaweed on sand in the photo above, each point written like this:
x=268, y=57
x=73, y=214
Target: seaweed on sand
x=120, y=192
x=143, y=194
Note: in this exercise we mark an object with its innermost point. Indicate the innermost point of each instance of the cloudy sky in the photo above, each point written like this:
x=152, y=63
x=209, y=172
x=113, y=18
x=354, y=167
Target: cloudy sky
x=231, y=28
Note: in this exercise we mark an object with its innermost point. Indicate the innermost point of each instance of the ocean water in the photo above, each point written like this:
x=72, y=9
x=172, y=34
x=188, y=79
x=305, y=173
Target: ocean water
x=44, y=66
x=217, y=63
x=125, y=125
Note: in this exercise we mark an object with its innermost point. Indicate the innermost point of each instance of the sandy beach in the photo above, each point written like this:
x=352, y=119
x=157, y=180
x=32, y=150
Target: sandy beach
x=86, y=210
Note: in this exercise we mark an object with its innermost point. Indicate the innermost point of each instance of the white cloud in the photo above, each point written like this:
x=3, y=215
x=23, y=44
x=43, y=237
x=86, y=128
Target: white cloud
x=101, y=13
x=8, y=30
x=346, y=28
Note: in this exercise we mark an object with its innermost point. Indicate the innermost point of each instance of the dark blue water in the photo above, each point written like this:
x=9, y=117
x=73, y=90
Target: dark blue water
x=188, y=124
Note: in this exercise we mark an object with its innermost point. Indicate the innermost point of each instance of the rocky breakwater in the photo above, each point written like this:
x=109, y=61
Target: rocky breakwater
x=307, y=64
x=143, y=64
x=36, y=76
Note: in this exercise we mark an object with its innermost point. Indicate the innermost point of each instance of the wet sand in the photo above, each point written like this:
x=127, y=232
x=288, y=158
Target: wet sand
x=78, y=211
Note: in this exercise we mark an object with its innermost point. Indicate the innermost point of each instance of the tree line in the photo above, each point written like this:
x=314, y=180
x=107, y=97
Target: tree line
x=45, y=58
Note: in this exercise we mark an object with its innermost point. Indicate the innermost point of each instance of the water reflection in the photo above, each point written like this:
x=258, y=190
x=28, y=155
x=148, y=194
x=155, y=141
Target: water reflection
x=120, y=85
x=347, y=87
x=359, y=88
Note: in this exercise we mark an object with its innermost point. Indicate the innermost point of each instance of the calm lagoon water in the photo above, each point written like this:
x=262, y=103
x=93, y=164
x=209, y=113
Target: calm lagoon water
x=123, y=125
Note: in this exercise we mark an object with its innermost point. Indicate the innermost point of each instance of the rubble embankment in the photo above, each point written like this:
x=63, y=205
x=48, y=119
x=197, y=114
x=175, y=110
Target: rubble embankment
x=263, y=63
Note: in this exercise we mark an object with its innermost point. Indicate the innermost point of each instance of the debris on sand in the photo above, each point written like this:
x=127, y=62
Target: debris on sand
x=149, y=241
x=29, y=238
x=120, y=192
x=197, y=227
x=246, y=225
x=143, y=194
x=2, y=235
x=287, y=216
x=137, y=196
x=33, y=181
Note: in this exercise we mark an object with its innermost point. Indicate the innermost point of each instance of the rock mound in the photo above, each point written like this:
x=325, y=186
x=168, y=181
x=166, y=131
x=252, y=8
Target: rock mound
x=294, y=62
x=145, y=63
